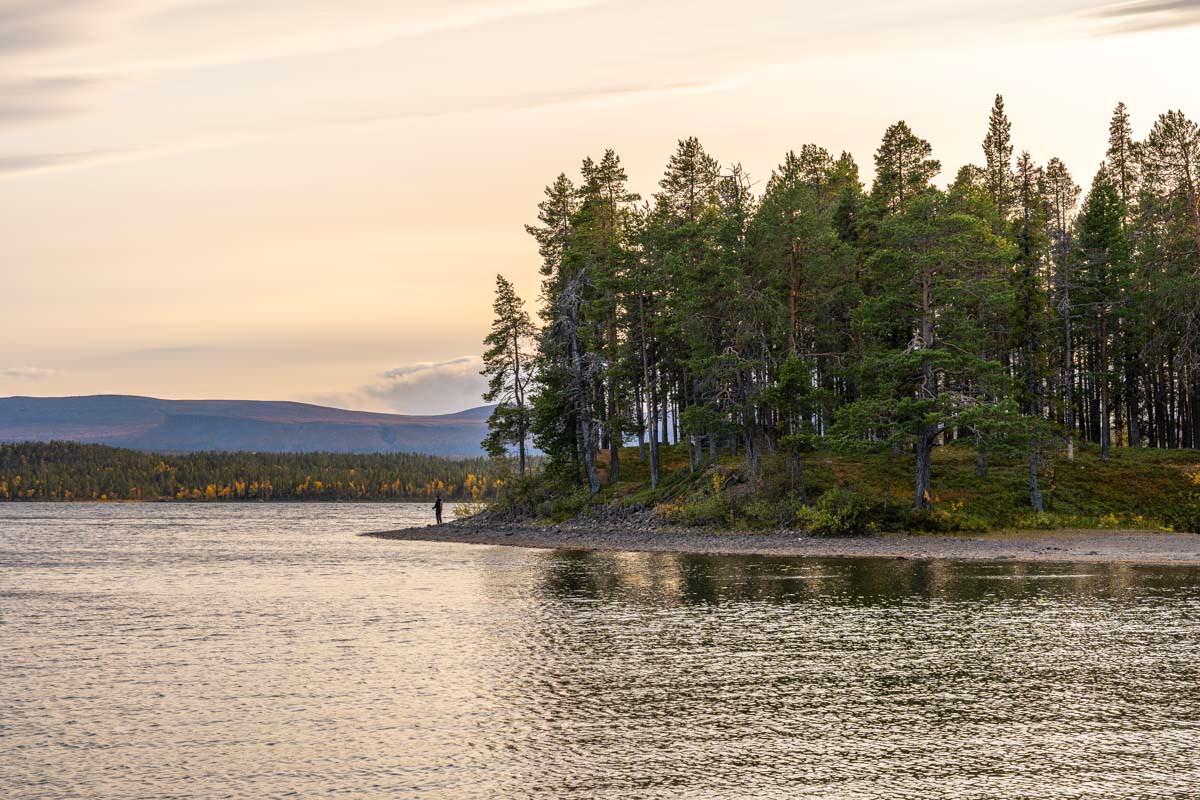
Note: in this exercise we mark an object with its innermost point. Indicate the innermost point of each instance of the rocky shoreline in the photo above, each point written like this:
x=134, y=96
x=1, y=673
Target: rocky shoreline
x=641, y=533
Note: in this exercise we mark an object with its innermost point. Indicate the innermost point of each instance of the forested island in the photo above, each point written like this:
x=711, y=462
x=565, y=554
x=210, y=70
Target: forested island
x=70, y=471
x=902, y=354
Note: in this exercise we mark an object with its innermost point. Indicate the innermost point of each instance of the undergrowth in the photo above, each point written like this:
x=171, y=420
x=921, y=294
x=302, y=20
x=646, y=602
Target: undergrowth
x=853, y=495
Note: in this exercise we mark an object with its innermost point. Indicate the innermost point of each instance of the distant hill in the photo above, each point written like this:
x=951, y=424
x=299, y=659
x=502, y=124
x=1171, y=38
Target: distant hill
x=180, y=426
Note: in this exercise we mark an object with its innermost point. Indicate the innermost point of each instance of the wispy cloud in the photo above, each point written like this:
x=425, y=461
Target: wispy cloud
x=238, y=33
x=34, y=99
x=432, y=387
x=32, y=25
x=243, y=33
x=27, y=373
x=1145, y=15
x=49, y=162
x=406, y=373
x=27, y=163
x=270, y=31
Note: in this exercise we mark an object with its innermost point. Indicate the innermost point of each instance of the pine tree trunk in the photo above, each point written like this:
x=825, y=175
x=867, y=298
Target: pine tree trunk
x=1132, y=402
x=519, y=395
x=587, y=433
x=796, y=473
x=653, y=430
x=679, y=405
x=923, y=483
x=927, y=435
x=639, y=403
x=1102, y=383
x=1069, y=368
x=793, y=293
x=1172, y=407
x=651, y=393
x=614, y=457
x=1035, y=494
x=614, y=411
x=664, y=398
x=576, y=452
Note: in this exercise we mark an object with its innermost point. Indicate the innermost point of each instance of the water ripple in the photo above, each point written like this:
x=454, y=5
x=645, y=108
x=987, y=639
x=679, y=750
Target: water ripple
x=265, y=651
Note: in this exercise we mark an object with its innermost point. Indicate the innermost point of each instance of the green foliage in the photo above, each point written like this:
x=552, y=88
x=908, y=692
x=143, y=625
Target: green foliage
x=1185, y=517
x=841, y=512
x=717, y=324
x=506, y=364
x=709, y=510
x=903, y=167
x=774, y=513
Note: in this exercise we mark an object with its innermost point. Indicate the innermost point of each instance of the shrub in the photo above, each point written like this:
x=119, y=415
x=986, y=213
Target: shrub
x=520, y=497
x=1185, y=517
x=841, y=513
x=464, y=510
x=951, y=519
x=698, y=511
x=762, y=513
x=566, y=506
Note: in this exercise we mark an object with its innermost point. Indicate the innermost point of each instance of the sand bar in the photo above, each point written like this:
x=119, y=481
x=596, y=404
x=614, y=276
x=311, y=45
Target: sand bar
x=1077, y=546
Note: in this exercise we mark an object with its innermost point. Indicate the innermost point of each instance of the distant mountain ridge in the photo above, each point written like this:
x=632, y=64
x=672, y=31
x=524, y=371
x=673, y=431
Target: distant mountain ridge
x=179, y=426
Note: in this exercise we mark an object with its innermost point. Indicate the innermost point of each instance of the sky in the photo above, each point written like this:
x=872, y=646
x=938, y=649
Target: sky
x=309, y=200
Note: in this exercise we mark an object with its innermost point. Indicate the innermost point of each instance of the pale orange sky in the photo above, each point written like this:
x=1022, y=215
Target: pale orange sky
x=292, y=199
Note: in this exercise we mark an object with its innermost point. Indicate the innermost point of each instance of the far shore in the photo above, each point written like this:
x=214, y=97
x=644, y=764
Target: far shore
x=1058, y=546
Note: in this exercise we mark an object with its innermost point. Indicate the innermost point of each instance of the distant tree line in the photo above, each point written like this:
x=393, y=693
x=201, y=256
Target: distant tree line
x=1000, y=311
x=70, y=471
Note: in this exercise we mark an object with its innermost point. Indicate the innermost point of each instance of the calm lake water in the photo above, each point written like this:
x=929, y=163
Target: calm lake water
x=243, y=651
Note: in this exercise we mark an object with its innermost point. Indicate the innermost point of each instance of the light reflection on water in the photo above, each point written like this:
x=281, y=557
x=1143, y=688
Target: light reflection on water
x=257, y=650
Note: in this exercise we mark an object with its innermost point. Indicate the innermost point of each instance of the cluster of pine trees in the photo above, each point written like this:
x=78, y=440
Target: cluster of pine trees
x=70, y=471
x=1009, y=309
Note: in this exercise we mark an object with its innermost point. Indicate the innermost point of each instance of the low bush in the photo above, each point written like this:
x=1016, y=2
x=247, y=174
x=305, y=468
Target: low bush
x=713, y=509
x=762, y=513
x=521, y=496
x=572, y=504
x=841, y=512
x=1185, y=517
x=951, y=519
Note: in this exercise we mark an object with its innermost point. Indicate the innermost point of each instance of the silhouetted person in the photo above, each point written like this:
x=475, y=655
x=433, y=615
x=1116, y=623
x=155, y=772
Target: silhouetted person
x=437, y=507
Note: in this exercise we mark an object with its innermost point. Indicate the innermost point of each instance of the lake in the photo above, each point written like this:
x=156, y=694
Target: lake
x=159, y=650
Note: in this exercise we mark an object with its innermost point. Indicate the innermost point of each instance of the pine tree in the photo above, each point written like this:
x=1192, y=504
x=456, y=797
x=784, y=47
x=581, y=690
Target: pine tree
x=506, y=362
x=1168, y=253
x=555, y=423
x=794, y=221
x=1062, y=194
x=685, y=220
x=998, y=153
x=1030, y=308
x=604, y=208
x=903, y=168
x=1171, y=159
x=1122, y=157
x=1103, y=278
x=921, y=377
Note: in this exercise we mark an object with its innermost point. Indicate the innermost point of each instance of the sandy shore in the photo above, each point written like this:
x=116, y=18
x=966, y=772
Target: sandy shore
x=1078, y=546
